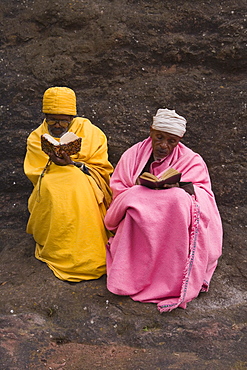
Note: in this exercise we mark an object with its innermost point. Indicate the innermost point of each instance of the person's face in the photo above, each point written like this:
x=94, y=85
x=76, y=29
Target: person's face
x=58, y=124
x=163, y=143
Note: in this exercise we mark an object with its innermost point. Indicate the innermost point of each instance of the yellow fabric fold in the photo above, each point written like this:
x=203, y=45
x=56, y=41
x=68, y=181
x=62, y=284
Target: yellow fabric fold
x=67, y=207
x=59, y=100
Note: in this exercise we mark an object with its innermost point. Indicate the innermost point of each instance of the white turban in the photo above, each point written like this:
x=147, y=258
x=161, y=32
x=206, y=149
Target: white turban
x=169, y=121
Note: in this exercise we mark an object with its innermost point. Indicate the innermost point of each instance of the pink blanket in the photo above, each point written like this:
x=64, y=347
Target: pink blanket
x=167, y=242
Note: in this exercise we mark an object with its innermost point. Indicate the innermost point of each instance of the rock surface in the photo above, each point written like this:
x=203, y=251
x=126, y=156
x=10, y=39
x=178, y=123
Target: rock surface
x=124, y=59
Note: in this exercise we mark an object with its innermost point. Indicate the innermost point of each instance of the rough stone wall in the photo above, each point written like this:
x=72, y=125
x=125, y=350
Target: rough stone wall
x=125, y=59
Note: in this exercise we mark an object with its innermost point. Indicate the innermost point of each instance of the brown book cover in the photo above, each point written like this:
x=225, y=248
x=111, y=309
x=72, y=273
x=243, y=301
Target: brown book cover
x=171, y=176
x=69, y=143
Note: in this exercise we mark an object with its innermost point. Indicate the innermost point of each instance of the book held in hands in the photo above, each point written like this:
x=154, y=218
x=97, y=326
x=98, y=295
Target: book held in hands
x=69, y=143
x=171, y=176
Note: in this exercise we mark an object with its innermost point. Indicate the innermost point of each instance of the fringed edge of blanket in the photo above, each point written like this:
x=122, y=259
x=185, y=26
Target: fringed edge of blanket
x=181, y=300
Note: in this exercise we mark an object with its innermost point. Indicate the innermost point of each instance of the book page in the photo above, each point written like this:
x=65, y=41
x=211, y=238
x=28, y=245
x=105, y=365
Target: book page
x=68, y=137
x=50, y=139
x=149, y=176
x=170, y=172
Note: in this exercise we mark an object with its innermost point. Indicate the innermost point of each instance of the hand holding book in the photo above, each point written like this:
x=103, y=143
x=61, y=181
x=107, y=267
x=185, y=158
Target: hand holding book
x=59, y=152
x=169, y=179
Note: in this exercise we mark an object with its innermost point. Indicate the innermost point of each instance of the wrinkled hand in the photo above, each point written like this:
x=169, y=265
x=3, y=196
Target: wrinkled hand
x=64, y=161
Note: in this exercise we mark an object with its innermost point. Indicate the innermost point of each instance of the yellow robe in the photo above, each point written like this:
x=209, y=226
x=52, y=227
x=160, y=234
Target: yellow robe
x=67, y=207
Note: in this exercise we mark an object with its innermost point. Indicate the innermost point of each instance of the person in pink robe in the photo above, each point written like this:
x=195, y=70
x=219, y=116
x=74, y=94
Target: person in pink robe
x=166, y=243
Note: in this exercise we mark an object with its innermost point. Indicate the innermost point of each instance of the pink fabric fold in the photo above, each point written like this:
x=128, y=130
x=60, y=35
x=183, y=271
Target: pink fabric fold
x=167, y=242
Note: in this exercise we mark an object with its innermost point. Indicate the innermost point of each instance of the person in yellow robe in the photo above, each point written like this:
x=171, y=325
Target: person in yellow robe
x=71, y=194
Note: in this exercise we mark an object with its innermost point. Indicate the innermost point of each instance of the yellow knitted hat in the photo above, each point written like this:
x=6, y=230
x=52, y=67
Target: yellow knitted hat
x=59, y=100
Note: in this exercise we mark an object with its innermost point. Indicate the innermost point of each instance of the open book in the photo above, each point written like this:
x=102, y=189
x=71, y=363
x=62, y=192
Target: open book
x=171, y=176
x=69, y=143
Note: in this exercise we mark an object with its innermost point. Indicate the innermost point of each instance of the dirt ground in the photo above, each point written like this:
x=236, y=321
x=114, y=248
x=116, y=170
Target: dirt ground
x=46, y=323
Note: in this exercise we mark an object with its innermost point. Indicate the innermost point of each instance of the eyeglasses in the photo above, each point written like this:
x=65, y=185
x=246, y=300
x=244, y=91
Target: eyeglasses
x=62, y=123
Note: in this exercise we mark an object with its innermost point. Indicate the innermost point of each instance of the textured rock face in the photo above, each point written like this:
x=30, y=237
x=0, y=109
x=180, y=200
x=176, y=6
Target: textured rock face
x=125, y=59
